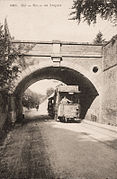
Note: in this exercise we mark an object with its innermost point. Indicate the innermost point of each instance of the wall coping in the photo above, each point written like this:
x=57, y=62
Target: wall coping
x=111, y=40
x=56, y=42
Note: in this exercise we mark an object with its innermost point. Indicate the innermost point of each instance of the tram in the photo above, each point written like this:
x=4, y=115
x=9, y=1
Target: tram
x=65, y=104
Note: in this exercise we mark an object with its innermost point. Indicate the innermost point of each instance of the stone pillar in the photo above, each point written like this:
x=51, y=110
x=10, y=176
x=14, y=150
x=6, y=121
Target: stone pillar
x=12, y=109
x=19, y=109
x=15, y=108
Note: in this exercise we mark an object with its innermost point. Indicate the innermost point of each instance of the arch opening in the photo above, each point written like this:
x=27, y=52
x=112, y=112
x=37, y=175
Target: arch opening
x=64, y=74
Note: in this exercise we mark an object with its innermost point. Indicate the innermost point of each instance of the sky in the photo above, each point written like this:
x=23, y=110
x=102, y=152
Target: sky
x=46, y=20
x=42, y=85
x=41, y=20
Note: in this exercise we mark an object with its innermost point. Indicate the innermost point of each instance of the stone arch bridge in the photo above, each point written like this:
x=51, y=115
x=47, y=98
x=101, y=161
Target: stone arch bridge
x=72, y=63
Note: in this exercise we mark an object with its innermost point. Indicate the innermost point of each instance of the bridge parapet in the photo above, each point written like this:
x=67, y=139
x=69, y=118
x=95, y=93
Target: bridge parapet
x=63, y=49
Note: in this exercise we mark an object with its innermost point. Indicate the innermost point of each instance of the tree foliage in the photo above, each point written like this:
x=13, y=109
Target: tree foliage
x=8, y=55
x=31, y=99
x=88, y=10
x=99, y=39
x=12, y=59
x=49, y=91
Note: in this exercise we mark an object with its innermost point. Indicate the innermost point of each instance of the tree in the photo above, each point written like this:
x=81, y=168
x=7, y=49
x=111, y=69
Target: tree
x=11, y=58
x=99, y=39
x=49, y=92
x=31, y=99
x=8, y=54
x=88, y=10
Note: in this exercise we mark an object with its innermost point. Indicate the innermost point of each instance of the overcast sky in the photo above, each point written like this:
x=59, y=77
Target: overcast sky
x=48, y=20
x=42, y=85
x=41, y=20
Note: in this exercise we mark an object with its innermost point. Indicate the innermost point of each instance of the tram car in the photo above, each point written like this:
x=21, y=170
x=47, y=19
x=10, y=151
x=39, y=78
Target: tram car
x=67, y=105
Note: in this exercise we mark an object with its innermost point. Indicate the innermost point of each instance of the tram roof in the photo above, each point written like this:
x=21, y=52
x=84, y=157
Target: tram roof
x=68, y=89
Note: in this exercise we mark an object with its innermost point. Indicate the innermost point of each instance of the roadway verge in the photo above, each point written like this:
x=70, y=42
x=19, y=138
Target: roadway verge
x=104, y=126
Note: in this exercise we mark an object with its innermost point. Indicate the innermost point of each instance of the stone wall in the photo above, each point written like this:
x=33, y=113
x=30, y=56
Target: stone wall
x=7, y=112
x=3, y=109
x=109, y=100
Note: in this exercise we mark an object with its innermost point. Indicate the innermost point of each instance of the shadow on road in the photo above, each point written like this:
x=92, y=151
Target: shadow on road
x=29, y=119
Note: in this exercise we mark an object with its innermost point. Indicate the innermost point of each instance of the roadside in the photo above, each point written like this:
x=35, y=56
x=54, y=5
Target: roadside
x=104, y=126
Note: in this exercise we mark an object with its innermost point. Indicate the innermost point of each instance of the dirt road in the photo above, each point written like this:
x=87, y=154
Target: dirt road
x=46, y=149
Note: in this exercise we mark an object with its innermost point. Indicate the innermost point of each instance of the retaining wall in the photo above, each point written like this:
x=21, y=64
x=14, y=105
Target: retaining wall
x=109, y=97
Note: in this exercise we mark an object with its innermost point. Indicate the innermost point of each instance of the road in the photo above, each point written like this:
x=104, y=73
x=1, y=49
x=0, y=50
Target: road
x=42, y=148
